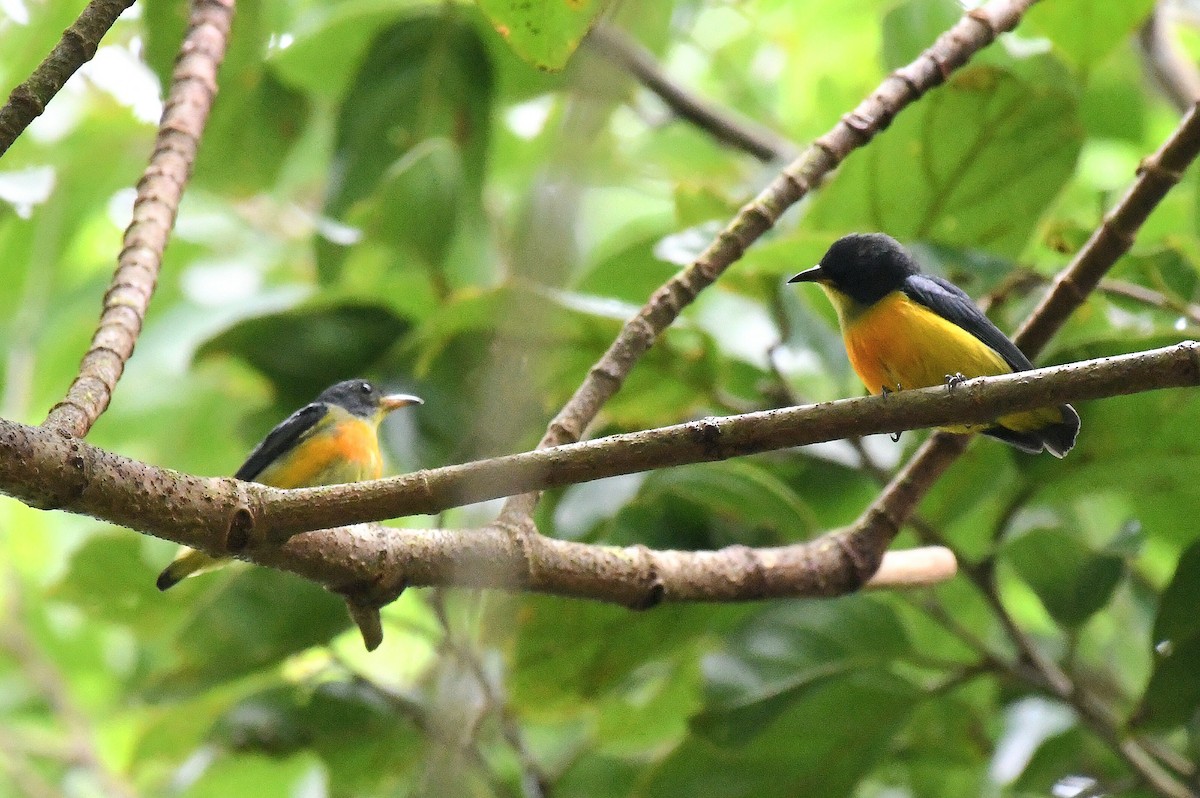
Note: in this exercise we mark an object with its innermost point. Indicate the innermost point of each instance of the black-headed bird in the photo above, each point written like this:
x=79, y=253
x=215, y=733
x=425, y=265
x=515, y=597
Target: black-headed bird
x=332, y=440
x=904, y=329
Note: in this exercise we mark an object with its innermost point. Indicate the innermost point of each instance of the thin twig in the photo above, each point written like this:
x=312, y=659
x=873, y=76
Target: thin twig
x=1148, y=296
x=1099, y=718
x=534, y=781
x=1043, y=673
x=417, y=713
x=76, y=47
x=193, y=88
x=728, y=128
x=1168, y=63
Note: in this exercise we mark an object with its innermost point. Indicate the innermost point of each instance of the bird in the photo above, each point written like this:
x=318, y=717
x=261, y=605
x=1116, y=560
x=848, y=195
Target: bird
x=331, y=440
x=906, y=329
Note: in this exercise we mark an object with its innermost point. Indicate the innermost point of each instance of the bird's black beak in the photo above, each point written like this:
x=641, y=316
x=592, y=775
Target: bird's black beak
x=396, y=401
x=814, y=275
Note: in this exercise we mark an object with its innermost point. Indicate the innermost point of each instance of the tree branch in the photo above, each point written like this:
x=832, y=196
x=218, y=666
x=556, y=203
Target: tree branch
x=224, y=516
x=901, y=88
x=619, y=48
x=76, y=47
x=193, y=88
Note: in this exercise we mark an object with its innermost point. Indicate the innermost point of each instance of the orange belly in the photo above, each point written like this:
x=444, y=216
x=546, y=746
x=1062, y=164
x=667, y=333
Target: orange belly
x=346, y=450
x=899, y=344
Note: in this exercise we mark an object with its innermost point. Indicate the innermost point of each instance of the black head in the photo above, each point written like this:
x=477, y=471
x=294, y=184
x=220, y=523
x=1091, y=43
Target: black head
x=363, y=399
x=864, y=266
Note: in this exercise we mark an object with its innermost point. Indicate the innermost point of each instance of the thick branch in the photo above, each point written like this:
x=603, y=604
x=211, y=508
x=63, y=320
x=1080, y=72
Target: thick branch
x=618, y=47
x=55, y=470
x=76, y=47
x=193, y=87
x=955, y=47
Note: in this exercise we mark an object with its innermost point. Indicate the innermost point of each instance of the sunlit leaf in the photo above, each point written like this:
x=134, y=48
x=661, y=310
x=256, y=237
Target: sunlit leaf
x=1086, y=30
x=543, y=32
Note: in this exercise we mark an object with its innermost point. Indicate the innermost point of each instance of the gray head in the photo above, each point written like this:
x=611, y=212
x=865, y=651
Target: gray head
x=364, y=400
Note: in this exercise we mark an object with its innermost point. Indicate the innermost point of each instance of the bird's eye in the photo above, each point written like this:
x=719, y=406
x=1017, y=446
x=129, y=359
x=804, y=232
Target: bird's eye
x=364, y=388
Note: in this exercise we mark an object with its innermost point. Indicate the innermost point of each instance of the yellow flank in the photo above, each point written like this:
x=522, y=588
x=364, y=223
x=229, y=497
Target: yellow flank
x=899, y=344
x=341, y=448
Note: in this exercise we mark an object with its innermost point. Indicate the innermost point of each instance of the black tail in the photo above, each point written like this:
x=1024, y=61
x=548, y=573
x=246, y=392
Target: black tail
x=1057, y=438
x=168, y=579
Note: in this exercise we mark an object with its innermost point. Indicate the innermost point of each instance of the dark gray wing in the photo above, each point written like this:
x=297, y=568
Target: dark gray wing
x=280, y=439
x=950, y=302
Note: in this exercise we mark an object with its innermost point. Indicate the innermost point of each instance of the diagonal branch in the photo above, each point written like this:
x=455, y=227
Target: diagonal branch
x=193, y=88
x=76, y=47
x=955, y=47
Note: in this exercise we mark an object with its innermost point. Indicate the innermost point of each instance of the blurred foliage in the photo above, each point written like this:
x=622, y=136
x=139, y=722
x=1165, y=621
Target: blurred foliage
x=401, y=189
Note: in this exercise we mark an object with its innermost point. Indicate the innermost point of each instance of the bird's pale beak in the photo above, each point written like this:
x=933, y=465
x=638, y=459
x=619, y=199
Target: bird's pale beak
x=396, y=401
x=814, y=275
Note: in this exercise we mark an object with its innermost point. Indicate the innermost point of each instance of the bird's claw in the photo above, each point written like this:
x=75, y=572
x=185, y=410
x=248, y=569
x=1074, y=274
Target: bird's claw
x=884, y=390
x=954, y=380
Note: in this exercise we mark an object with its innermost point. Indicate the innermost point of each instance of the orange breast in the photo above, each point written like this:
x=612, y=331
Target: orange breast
x=343, y=450
x=899, y=344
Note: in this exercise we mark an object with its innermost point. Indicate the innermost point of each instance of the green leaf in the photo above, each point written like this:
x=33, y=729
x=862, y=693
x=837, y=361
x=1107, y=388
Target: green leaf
x=910, y=27
x=249, y=134
x=110, y=579
x=1073, y=581
x=426, y=77
x=1139, y=446
x=364, y=739
x=572, y=649
x=329, y=40
x=820, y=744
x=272, y=778
x=1085, y=31
x=255, y=620
x=306, y=349
x=783, y=652
x=1173, y=694
x=543, y=32
x=973, y=164
x=415, y=207
x=743, y=501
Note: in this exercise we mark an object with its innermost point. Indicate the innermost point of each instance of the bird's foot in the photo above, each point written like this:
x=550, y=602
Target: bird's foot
x=884, y=390
x=954, y=380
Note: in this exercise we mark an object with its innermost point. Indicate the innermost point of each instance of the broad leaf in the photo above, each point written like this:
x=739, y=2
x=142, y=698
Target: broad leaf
x=543, y=32
x=973, y=164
